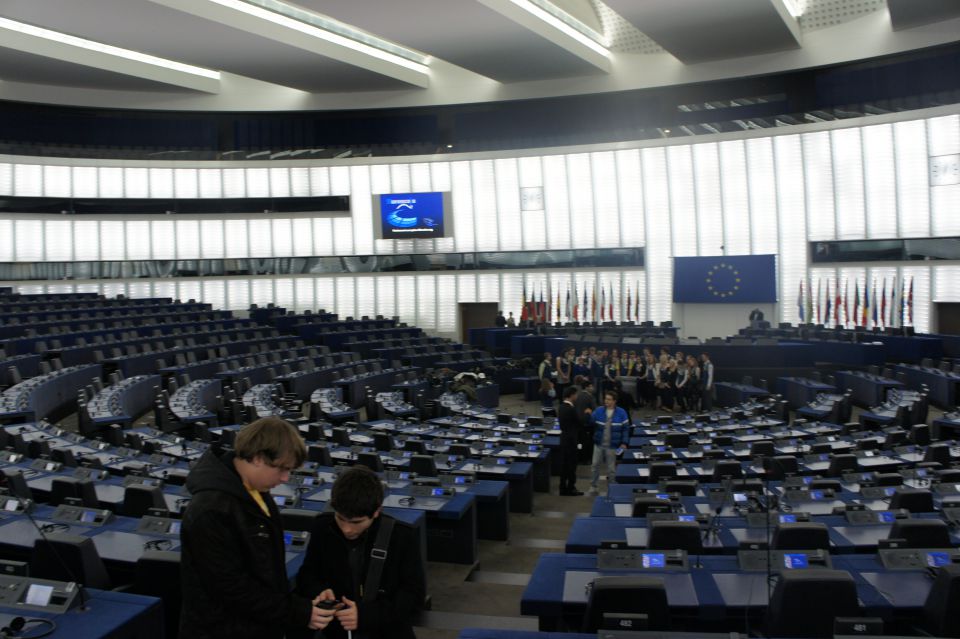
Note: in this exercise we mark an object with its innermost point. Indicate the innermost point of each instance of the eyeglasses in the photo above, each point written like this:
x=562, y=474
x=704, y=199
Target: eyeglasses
x=280, y=467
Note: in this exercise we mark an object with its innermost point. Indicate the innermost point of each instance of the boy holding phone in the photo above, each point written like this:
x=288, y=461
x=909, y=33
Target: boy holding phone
x=362, y=564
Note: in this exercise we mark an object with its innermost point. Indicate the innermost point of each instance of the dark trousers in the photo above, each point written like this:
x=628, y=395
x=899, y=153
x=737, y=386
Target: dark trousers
x=568, y=462
x=706, y=399
x=585, y=454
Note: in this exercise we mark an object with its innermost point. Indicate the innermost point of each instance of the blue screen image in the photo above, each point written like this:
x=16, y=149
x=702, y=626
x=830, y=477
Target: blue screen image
x=687, y=518
x=788, y=519
x=816, y=494
x=794, y=560
x=411, y=215
x=807, y=480
x=886, y=516
x=935, y=559
x=404, y=475
x=437, y=492
x=653, y=560
x=459, y=480
x=287, y=538
x=889, y=490
x=503, y=462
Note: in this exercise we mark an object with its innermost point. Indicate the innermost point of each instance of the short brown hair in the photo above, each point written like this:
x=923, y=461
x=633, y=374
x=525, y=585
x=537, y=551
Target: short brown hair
x=273, y=438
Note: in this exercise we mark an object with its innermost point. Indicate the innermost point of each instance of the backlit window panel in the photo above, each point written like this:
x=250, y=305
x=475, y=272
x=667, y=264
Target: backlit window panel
x=57, y=181
x=848, y=183
x=85, y=181
x=238, y=294
x=658, y=254
x=580, y=192
x=58, y=236
x=28, y=180
x=304, y=294
x=509, y=225
x=6, y=179
x=709, y=201
x=186, y=184
x=818, y=181
x=339, y=180
x=110, y=181
x=556, y=198
x=407, y=299
x=343, y=236
x=792, y=257
x=420, y=179
x=261, y=238
x=236, y=238
x=683, y=215
x=462, y=196
x=763, y=196
x=913, y=194
x=944, y=139
x=300, y=181
x=303, y=236
x=211, y=239
x=880, y=181
x=6, y=241
x=188, y=239
x=386, y=291
x=630, y=197
x=214, y=292
x=322, y=236
x=361, y=204
x=211, y=183
x=283, y=292
x=280, y=182
x=163, y=240
x=282, y=232
x=136, y=182
x=234, y=183
x=86, y=240
x=446, y=303
x=161, y=183
x=485, y=205
x=261, y=291
x=736, y=200
x=258, y=182
x=606, y=207
x=113, y=240
x=319, y=181
x=137, y=240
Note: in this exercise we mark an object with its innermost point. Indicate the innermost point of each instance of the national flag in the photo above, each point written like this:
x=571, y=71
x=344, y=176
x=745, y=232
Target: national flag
x=856, y=300
x=819, y=282
x=610, y=309
x=873, y=309
x=883, y=302
x=586, y=306
x=558, y=305
x=893, y=302
x=903, y=296
x=541, y=315
x=603, y=305
x=636, y=302
x=628, y=303
x=866, y=303
x=800, y=302
x=523, y=309
x=593, y=304
x=566, y=307
x=575, y=300
x=846, y=303
x=827, y=304
x=910, y=302
x=837, y=303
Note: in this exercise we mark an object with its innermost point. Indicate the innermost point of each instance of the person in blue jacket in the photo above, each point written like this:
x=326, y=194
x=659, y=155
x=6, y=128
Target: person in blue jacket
x=611, y=433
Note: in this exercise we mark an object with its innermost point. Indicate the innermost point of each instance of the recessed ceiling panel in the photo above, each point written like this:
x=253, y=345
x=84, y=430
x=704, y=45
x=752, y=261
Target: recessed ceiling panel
x=147, y=27
x=18, y=66
x=463, y=32
x=905, y=14
x=704, y=30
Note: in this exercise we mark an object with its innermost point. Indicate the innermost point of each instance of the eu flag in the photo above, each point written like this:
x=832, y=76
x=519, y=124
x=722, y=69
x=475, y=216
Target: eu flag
x=725, y=279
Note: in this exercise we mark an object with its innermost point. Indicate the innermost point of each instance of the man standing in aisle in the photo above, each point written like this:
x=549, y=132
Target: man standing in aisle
x=569, y=438
x=364, y=563
x=706, y=383
x=232, y=565
x=610, y=436
x=585, y=403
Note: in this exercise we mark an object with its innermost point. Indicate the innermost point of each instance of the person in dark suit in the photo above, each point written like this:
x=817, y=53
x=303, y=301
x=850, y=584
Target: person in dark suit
x=569, y=438
x=500, y=321
x=706, y=382
x=756, y=315
x=585, y=404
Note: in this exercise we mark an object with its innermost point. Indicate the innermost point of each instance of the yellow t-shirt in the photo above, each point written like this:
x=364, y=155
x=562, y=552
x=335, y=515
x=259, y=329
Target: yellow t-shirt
x=257, y=497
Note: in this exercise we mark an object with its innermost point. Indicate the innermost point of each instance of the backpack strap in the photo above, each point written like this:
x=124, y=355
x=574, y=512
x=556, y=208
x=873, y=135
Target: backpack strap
x=378, y=557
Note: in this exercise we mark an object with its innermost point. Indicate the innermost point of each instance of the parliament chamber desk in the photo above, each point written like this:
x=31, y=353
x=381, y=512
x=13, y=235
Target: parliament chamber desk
x=732, y=394
x=800, y=391
x=712, y=589
x=866, y=389
x=941, y=385
x=450, y=522
x=117, y=615
x=587, y=533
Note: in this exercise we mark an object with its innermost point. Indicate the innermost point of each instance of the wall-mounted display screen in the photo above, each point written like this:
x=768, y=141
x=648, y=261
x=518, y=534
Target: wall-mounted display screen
x=413, y=215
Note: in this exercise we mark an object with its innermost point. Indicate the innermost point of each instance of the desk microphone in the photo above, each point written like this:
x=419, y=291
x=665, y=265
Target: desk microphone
x=81, y=591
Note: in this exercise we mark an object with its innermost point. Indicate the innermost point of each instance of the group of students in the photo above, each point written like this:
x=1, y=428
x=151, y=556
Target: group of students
x=362, y=576
x=679, y=382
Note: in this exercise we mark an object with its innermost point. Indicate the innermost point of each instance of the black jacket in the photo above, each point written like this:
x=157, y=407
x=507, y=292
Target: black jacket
x=232, y=566
x=569, y=421
x=402, y=584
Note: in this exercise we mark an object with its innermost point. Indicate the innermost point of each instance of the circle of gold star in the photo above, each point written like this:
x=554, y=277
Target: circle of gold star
x=729, y=274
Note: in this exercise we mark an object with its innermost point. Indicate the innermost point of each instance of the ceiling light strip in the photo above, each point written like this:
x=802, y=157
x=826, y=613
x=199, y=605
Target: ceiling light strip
x=99, y=47
x=340, y=28
x=548, y=17
x=321, y=34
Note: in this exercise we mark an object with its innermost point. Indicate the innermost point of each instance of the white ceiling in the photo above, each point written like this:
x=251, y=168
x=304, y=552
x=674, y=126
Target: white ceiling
x=479, y=50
